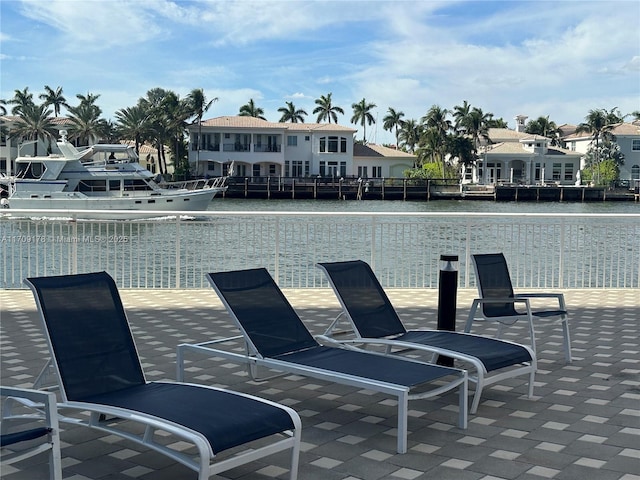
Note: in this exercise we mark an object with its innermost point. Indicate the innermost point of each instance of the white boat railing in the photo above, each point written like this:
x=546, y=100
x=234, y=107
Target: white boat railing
x=560, y=251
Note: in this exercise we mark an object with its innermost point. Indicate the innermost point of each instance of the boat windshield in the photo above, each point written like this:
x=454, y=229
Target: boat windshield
x=30, y=169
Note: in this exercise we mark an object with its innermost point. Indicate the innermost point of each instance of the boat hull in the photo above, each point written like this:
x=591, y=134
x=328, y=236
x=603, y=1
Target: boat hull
x=97, y=207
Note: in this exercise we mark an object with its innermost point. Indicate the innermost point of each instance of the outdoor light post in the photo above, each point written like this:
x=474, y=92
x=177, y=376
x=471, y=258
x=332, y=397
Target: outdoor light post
x=447, y=299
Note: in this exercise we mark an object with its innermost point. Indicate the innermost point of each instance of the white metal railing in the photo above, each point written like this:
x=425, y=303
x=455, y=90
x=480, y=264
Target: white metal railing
x=543, y=250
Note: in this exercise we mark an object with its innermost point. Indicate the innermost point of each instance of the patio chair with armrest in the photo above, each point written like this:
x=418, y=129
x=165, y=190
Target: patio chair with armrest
x=374, y=321
x=498, y=301
x=30, y=423
x=276, y=338
x=99, y=372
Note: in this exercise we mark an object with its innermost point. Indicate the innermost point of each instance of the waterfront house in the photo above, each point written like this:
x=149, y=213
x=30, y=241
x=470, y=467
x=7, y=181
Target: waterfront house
x=516, y=157
x=261, y=148
x=626, y=135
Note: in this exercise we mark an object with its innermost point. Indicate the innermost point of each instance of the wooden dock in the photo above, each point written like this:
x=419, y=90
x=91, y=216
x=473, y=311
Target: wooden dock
x=416, y=190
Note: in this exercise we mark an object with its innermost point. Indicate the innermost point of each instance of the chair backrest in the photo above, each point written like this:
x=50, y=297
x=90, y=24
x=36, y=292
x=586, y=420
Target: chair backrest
x=494, y=281
x=363, y=299
x=88, y=332
x=263, y=313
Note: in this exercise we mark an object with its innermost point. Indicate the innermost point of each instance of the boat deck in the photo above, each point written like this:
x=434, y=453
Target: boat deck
x=584, y=421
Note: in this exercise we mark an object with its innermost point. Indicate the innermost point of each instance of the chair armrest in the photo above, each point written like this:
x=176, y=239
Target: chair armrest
x=557, y=296
x=480, y=301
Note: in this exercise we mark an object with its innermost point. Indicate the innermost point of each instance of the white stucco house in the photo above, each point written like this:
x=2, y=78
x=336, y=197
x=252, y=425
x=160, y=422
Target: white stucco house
x=516, y=157
x=626, y=135
x=260, y=148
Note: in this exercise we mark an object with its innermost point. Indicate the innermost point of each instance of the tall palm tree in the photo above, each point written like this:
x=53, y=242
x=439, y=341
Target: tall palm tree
x=460, y=115
x=34, y=124
x=362, y=114
x=326, y=110
x=393, y=120
x=86, y=126
x=545, y=127
x=133, y=123
x=410, y=133
x=438, y=126
x=636, y=115
x=251, y=110
x=476, y=125
x=292, y=114
x=597, y=124
x=55, y=98
x=3, y=109
x=22, y=99
x=199, y=105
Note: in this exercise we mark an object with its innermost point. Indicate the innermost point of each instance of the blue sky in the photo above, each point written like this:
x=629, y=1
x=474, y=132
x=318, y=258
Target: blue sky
x=536, y=58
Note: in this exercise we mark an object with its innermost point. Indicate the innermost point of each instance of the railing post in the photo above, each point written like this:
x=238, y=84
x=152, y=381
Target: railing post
x=178, y=262
x=561, y=255
x=276, y=260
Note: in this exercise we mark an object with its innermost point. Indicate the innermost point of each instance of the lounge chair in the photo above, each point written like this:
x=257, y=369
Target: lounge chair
x=99, y=372
x=277, y=339
x=498, y=301
x=35, y=409
x=374, y=321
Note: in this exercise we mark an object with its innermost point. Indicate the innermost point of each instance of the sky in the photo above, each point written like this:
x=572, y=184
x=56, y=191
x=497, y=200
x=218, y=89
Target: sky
x=536, y=58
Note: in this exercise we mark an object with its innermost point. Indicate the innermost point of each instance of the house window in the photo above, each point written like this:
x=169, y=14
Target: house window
x=557, y=171
x=256, y=170
x=537, y=172
x=227, y=135
x=330, y=144
x=307, y=138
x=272, y=169
x=296, y=168
x=377, y=172
x=568, y=171
x=362, y=172
x=292, y=141
x=635, y=172
x=635, y=144
x=573, y=146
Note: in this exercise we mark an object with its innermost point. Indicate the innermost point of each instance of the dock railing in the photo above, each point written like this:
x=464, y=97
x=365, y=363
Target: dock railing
x=560, y=251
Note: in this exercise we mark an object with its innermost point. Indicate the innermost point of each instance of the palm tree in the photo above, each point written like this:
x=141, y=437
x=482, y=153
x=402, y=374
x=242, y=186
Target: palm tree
x=133, y=123
x=251, y=110
x=291, y=114
x=326, y=110
x=460, y=115
x=410, y=133
x=22, y=99
x=597, y=124
x=34, y=124
x=362, y=114
x=54, y=98
x=393, y=120
x=86, y=126
x=476, y=125
x=438, y=126
x=545, y=127
x=198, y=105
x=636, y=115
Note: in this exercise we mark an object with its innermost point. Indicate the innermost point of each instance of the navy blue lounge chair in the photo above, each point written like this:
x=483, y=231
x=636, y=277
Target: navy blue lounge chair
x=498, y=301
x=277, y=339
x=36, y=410
x=374, y=321
x=99, y=372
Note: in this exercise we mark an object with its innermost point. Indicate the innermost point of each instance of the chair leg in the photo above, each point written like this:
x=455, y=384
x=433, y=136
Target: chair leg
x=567, y=341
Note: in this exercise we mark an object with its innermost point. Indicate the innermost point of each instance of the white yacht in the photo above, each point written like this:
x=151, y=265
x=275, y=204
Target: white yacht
x=102, y=178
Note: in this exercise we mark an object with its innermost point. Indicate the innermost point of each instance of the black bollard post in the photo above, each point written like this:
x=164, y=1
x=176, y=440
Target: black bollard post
x=447, y=299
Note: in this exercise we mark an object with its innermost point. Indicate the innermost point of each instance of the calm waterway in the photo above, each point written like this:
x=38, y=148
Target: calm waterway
x=235, y=204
